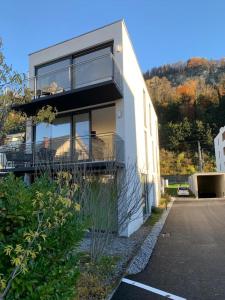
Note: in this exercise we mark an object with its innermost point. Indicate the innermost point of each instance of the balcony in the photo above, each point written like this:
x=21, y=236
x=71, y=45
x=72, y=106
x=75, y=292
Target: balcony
x=88, y=82
x=95, y=152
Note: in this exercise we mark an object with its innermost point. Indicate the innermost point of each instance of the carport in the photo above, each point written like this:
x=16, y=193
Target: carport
x=207, y=185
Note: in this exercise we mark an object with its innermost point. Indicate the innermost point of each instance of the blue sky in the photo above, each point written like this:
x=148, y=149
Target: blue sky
x=162, y=31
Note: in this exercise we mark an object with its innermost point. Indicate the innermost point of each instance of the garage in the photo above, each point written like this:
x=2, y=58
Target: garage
x=207, y=185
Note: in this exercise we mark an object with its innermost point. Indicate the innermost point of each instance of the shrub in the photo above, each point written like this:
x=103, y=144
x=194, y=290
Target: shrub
x=39, y=229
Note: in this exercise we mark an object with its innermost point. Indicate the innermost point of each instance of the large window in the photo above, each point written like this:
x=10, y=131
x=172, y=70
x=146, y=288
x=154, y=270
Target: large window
x=43, y=131
x=92, y=68
x=103, y=127
x=53, y=78
x=55, y=136
x=82, y=136
x=89, y=134
x=74, y=72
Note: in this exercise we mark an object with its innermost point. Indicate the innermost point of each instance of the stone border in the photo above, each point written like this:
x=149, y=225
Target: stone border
x=140, y=260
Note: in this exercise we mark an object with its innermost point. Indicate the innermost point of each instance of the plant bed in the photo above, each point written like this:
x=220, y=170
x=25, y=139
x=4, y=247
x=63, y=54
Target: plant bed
x=118, y=255
x=95, y=279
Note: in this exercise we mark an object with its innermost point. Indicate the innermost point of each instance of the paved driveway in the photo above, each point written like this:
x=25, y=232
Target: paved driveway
x=189, y=258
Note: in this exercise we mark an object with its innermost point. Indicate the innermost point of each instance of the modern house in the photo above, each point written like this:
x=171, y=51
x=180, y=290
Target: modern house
x=219, y=144
x=104, y=111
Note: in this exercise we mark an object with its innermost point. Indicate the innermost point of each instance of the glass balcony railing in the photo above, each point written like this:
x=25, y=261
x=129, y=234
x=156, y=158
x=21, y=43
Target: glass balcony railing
x=79, y=75
x=66, y=150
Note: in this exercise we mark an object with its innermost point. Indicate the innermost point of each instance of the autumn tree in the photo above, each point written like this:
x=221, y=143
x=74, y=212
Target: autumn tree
x=161, y=91
x=172, y=163
x=196, y=62
x=189, y=98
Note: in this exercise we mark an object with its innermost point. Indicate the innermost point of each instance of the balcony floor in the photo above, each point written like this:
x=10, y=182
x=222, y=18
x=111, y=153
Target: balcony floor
x=103, y=92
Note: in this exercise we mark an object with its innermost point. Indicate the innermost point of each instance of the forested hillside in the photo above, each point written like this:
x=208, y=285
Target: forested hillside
x=189, y=98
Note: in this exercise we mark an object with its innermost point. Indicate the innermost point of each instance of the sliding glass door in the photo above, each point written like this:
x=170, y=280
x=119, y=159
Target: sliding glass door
x=82, y=136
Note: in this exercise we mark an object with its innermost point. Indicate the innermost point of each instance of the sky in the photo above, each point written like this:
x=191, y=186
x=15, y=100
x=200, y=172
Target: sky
x=162, y=31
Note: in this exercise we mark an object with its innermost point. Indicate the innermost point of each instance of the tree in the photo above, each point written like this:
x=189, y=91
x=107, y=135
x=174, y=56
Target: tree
x=14, y=90
x=172, y=163
x=161, y=91
x=10, y=89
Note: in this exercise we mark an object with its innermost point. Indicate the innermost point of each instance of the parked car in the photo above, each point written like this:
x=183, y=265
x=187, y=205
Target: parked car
x=183, y=191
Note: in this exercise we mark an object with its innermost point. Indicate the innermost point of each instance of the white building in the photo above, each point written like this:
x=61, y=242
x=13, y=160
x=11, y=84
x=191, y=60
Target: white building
x=219, y=144
x=95, y=82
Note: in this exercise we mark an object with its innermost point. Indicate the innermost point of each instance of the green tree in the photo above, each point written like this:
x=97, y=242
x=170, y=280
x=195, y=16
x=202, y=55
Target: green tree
x=40, y=226
x=13, y=91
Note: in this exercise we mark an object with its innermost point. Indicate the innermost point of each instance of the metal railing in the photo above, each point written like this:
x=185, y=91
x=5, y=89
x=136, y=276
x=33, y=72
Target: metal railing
x=66, y=150
x=75, y=76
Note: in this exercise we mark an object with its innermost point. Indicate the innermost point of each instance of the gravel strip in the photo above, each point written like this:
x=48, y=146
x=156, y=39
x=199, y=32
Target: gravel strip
x=140, y=261
x=132, y=252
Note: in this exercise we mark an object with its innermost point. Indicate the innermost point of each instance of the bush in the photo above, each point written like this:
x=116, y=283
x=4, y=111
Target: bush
x=40, y=226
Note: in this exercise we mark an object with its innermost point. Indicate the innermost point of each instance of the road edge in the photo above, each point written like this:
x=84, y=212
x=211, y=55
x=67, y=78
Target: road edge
x=140, y=260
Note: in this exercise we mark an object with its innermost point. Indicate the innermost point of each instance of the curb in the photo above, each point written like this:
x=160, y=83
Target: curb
x=137, y=264
x=141, y=259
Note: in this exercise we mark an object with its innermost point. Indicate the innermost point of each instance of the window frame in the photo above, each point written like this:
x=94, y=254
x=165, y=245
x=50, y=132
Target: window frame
x=76, y=54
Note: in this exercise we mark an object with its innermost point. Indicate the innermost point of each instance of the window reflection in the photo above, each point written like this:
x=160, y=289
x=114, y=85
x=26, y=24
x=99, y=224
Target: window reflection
x=53, y=78
x=55, y=137
x=82, y=129
x=103, y=125
x=92, y=68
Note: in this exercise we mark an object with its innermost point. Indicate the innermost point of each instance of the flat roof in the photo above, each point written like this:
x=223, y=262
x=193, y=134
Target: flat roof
x=118, y=21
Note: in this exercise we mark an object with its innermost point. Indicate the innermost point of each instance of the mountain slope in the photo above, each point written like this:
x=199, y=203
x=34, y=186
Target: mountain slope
x=189, y=98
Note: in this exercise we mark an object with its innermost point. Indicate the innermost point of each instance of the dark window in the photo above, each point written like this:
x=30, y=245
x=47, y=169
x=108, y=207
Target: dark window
x=54, y=78
x=92, y=68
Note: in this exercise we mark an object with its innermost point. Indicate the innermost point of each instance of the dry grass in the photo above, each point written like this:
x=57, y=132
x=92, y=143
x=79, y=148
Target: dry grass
x=95, y=278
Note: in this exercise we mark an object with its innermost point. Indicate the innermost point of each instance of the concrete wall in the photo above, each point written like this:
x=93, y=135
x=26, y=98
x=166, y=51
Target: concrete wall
x=219, y=146
x=208, y=185
x=105, y=34
x=136, y=109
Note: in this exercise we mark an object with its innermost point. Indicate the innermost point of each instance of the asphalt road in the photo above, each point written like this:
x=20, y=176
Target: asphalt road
x=189, y=257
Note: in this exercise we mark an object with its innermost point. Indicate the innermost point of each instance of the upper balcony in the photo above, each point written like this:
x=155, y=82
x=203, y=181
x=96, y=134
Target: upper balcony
x=81, y=83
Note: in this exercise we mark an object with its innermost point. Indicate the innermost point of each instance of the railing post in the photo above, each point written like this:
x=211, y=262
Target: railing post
x=71, y=76
x=33, y=153
x=35, y=87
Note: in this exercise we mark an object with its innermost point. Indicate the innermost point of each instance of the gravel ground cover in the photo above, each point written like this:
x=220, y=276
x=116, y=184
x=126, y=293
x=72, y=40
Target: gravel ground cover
x=134, y=252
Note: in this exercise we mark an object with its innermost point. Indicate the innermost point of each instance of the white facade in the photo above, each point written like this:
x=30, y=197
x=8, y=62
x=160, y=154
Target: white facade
x=219, y=144
x=136, y=120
